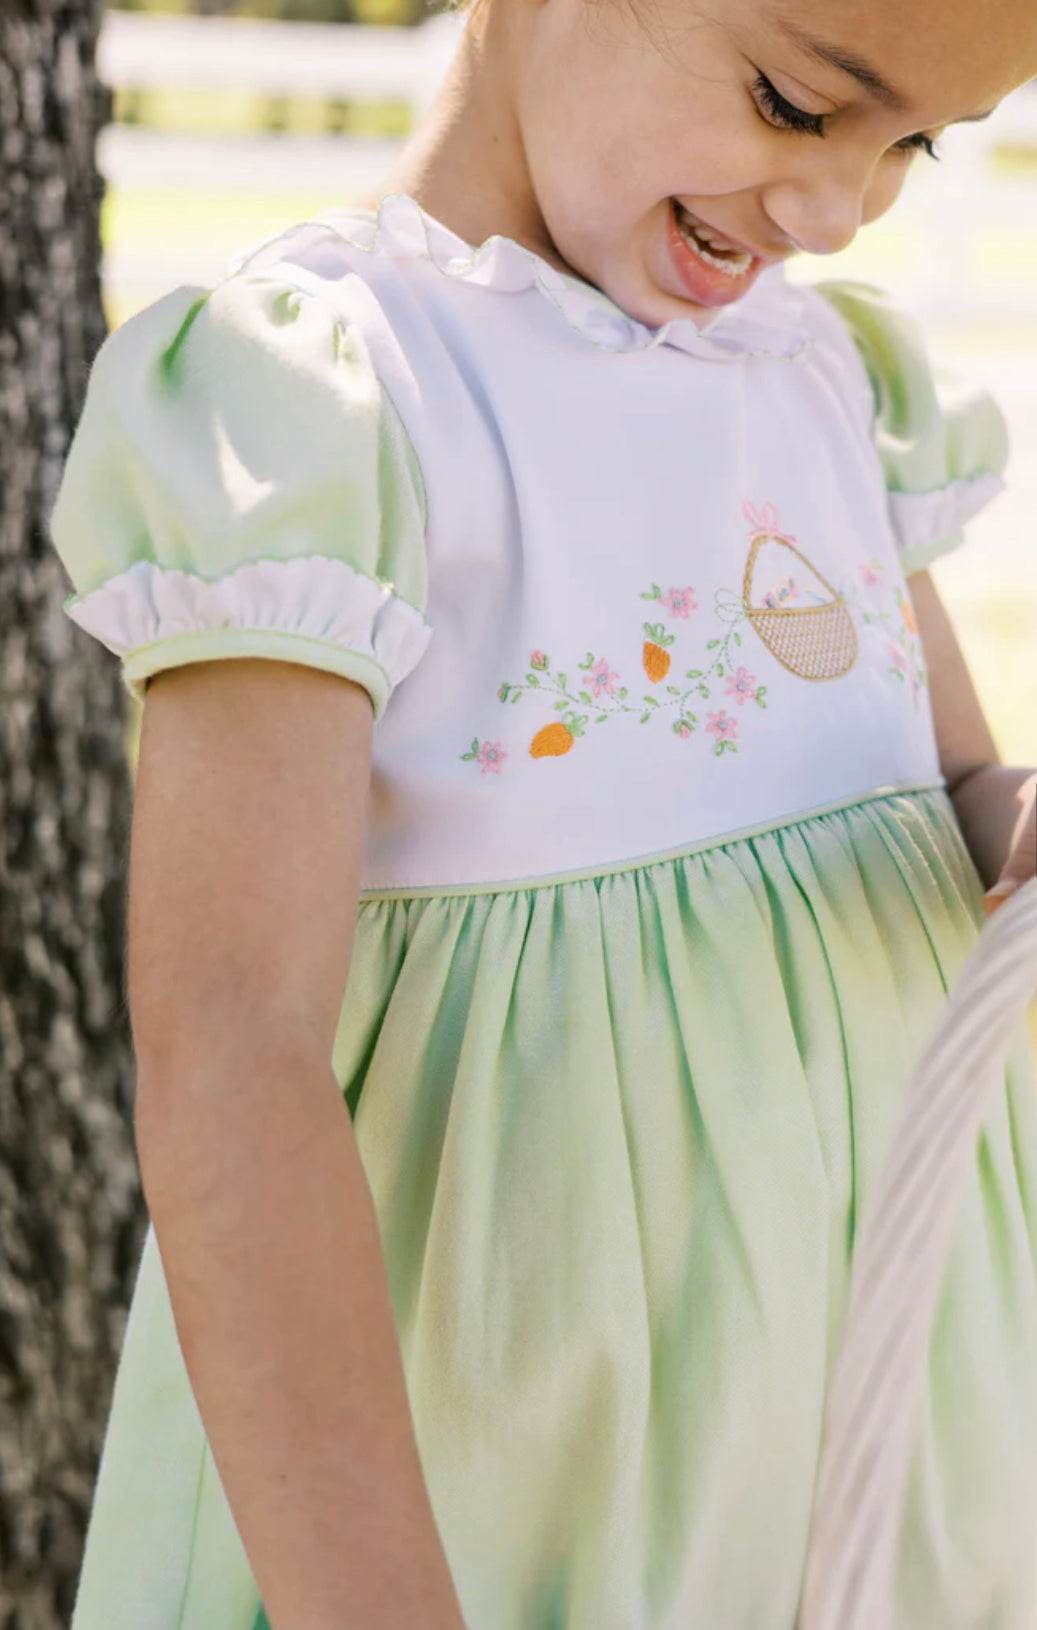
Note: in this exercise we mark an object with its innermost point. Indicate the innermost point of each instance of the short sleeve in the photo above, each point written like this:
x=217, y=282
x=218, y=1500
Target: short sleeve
x=240, y=485
x=942, y=441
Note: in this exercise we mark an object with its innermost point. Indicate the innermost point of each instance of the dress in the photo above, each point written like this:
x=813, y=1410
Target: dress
x=661, y=898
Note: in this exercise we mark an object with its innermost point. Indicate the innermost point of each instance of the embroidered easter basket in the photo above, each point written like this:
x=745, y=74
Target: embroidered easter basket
x=814, y=642
x=901, y=1249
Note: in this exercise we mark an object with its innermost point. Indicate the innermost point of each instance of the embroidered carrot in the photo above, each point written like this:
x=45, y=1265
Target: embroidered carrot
x=557, y=737
x=655, y=657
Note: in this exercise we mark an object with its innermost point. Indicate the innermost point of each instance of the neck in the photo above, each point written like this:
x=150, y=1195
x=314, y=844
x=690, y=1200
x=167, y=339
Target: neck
x=466, y=165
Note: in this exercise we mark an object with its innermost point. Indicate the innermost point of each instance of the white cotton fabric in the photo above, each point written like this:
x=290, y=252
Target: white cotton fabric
x=574, y=459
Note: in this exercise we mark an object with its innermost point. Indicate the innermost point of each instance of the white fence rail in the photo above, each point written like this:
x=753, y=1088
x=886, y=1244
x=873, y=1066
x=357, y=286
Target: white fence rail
x=335, y=61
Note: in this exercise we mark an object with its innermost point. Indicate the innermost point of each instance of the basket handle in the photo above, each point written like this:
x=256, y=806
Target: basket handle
x=899, y=1259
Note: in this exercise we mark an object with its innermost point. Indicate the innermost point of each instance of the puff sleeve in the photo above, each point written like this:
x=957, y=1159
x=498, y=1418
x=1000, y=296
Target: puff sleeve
x=942, y=442
x=240, y=485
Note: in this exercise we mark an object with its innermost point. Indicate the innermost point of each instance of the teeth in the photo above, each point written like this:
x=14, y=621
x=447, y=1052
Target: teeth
x=732, y=263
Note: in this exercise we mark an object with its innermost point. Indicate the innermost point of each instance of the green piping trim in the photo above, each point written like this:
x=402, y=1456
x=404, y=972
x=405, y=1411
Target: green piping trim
x=643, y=863
x=221, y=644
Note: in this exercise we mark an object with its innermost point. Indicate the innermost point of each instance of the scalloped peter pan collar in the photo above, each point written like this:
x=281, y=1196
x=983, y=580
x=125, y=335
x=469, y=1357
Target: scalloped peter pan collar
x=769, y=321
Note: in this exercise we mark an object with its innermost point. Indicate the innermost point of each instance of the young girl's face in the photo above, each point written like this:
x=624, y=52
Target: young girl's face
x=675, y=148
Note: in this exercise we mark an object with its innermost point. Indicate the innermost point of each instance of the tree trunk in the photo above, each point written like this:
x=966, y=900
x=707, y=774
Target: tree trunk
x=70, y=1208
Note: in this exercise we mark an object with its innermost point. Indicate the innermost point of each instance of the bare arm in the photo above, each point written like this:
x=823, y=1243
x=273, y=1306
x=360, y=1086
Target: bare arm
x=247, y=837
x=993, y=802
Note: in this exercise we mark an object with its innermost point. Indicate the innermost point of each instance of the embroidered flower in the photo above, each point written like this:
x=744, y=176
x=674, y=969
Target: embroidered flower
x=682, y=729
x=679, y=602
x=601, y=679
x=539, y=659
x=490, y=757
x=870, y=573
x=721, y=726
x=898, y=656
x=742, y=686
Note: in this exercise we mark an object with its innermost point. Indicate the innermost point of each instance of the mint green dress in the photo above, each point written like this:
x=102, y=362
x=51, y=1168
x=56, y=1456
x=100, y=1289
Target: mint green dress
x=622, y=1065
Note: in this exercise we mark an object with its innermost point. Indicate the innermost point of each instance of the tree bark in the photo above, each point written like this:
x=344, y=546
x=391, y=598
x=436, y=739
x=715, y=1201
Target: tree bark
x=71, y=1215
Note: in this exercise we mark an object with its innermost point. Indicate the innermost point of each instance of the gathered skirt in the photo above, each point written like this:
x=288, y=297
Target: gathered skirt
x=618, y=1130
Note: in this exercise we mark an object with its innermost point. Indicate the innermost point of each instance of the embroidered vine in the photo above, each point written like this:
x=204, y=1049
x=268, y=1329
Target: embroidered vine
x=798, y=616
x=895, y=620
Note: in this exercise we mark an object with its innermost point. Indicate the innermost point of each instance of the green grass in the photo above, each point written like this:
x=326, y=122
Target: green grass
x=243, y=113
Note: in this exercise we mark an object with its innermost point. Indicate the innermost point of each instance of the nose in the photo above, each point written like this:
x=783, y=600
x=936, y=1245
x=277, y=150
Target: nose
x=819, y=212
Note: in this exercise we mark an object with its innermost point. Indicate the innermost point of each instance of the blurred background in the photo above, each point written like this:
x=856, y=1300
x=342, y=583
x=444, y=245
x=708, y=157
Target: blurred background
x=235, y=118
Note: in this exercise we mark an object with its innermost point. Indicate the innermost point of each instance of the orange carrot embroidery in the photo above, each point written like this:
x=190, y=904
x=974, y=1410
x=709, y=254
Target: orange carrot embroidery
x=552, y=741
x=655, y=657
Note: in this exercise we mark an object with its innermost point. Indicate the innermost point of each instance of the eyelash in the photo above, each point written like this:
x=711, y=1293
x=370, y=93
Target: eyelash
x=786, y=116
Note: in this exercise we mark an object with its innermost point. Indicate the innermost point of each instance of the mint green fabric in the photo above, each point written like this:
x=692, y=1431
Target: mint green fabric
x=618, y=1132
x=239, y=424
x=932, y=429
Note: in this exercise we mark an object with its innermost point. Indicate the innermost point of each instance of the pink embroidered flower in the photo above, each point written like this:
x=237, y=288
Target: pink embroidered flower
x=742, y=686
x=679, y=602
x=601, y=679
x=870, y=573
x=722, y=726
x=538, y=660
x=490, y=757
x=897, y=655
x=683, y=729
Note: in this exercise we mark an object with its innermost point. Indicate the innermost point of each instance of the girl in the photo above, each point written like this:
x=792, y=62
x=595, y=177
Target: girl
x=573, y=565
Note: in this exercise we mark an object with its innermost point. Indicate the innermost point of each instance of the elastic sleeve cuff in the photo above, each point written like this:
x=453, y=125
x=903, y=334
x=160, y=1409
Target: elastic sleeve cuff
x=930, y=524
x=309, y=609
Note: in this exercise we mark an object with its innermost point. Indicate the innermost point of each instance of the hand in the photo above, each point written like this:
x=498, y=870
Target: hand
x=1022, y=856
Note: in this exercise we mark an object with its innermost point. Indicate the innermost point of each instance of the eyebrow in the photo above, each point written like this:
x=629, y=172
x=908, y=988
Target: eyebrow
x=836, y=57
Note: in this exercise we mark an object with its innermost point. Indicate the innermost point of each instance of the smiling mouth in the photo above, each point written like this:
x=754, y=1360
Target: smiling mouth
x=713, y=247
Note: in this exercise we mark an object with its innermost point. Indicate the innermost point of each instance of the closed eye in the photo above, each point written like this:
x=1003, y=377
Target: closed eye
x=778, y=111
x=784, y=114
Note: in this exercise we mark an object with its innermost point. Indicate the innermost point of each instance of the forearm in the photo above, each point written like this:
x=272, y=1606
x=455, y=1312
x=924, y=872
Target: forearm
x=988, y=806
x=270, y=1245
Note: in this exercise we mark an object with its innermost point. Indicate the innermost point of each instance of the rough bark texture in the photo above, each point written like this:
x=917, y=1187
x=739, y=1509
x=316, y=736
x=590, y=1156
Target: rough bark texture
x=70, y=1209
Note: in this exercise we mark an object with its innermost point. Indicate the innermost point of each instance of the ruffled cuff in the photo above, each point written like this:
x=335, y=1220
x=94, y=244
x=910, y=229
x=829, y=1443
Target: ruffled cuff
x=310, y=610
x=929, y=524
